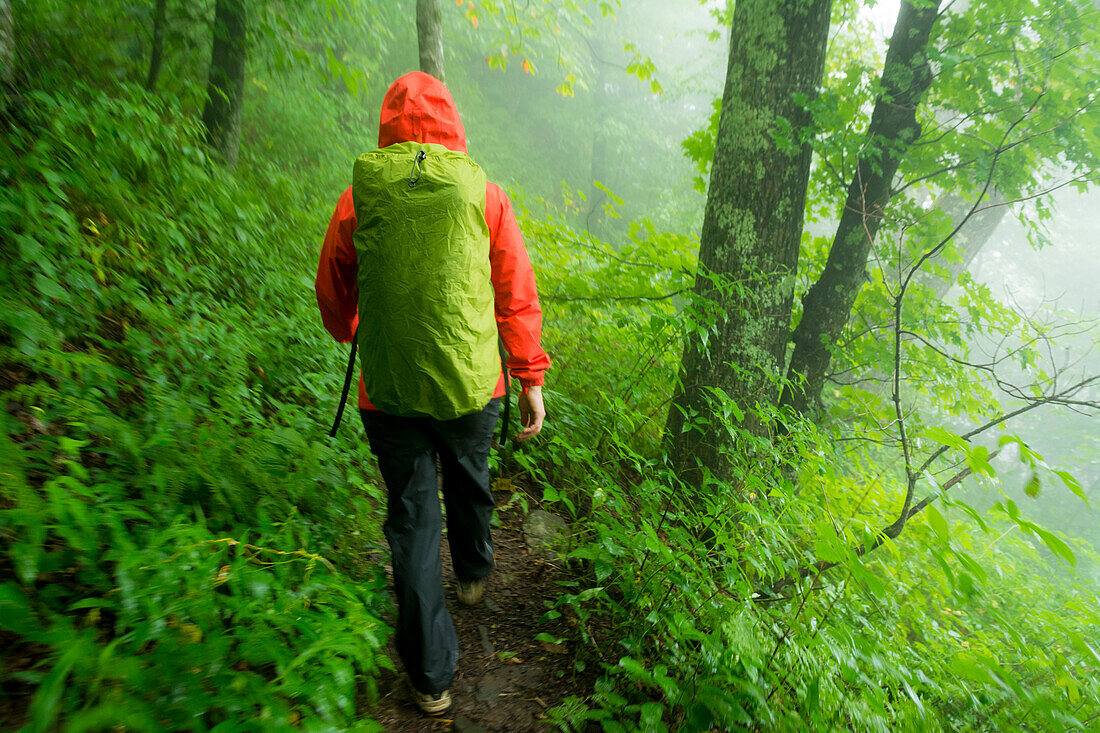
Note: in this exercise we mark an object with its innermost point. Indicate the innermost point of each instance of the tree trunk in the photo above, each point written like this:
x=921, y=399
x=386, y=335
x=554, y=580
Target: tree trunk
x=429, y=33
x=828, y=304
x=749, y=244
x=597, y=197
x=7, y=44
x=160, y=17
x=225, y=88
x=970, y=238
x=596, y=219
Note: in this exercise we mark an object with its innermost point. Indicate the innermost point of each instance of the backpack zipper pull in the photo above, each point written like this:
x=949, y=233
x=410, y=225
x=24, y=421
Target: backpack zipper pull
x=417, y=170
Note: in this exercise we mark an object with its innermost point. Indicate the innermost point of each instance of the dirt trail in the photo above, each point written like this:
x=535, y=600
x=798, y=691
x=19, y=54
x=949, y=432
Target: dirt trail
x=506, y=679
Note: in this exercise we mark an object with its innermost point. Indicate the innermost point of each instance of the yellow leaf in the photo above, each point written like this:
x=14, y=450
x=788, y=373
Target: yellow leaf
x=527, y=67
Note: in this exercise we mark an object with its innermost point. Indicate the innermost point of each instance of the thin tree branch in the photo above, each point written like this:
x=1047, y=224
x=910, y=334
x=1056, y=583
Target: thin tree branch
x=1001, y=148
x=821, y=566
x=613, y=298
x=1049, y=399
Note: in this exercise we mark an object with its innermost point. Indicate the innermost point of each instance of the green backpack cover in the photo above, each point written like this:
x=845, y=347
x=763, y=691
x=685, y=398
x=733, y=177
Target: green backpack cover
x=427, y=328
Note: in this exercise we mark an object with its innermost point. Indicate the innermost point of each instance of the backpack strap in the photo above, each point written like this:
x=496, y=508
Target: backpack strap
x=347, y=384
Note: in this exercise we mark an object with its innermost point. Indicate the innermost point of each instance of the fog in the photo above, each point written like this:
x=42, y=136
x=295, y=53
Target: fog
x=1054, y=278
x=1042, y=260
x=710, y=530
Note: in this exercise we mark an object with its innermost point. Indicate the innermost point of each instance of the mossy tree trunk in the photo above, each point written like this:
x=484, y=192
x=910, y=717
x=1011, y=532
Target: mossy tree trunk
x=893, y=128
x=225, y=88
x=429, y=34
x=751, y=229
x=7, y=44
x=156, y=57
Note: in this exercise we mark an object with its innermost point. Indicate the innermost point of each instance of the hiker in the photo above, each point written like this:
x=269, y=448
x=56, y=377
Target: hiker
x=409, y=265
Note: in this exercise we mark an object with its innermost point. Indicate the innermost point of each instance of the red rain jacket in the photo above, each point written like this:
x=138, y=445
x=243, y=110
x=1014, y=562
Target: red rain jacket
x=419, y=107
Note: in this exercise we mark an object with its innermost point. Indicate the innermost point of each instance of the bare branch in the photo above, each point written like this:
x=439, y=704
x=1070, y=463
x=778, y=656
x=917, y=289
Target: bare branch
x=1000, y=148
x=1065, y=394
x=612, y=256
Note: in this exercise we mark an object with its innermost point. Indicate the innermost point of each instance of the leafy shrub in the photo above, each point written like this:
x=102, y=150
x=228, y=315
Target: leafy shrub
x=709, y=609
x=677, y=600
x=181, y=544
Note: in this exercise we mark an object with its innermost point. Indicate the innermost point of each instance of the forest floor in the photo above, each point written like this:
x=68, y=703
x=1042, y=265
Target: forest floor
x=506, y=678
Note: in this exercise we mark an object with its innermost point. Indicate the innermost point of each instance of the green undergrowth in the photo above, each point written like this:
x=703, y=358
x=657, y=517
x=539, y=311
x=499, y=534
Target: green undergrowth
x=710, y=609
x=696, y=611
x=182, y=546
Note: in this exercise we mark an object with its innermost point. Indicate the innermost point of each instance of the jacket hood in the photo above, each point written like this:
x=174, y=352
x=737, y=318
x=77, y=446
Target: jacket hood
x=419, y=108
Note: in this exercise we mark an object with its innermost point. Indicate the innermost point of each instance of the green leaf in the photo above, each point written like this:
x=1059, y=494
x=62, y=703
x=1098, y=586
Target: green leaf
x=16, y=615
x=972, y=513
x=651, y=714
x=1072, y=484
x=937, y=522
x=946, y=437
x=971, y=668
x=46, y=705
x=1031, y=488
x=26, y=556
x=49, y=288
x=1056, y=545
x=92, y=603
x=813, y=692
x=978, y=460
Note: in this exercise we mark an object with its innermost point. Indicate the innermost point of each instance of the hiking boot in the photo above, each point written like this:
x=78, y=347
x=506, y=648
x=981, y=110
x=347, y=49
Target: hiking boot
x=471, y=591
x=431, y=704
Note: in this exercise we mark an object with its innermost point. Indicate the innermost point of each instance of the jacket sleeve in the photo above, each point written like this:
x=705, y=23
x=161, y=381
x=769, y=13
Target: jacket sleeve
x=337, y=284
x=519, y=316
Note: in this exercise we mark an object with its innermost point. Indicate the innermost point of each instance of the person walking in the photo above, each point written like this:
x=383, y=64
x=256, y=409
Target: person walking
x=424, y=264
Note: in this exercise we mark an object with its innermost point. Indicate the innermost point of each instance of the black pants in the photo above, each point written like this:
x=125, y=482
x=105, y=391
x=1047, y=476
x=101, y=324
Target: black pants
x=406, y=448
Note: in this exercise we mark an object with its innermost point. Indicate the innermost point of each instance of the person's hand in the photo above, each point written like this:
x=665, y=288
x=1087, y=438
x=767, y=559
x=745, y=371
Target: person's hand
x=531, y=413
